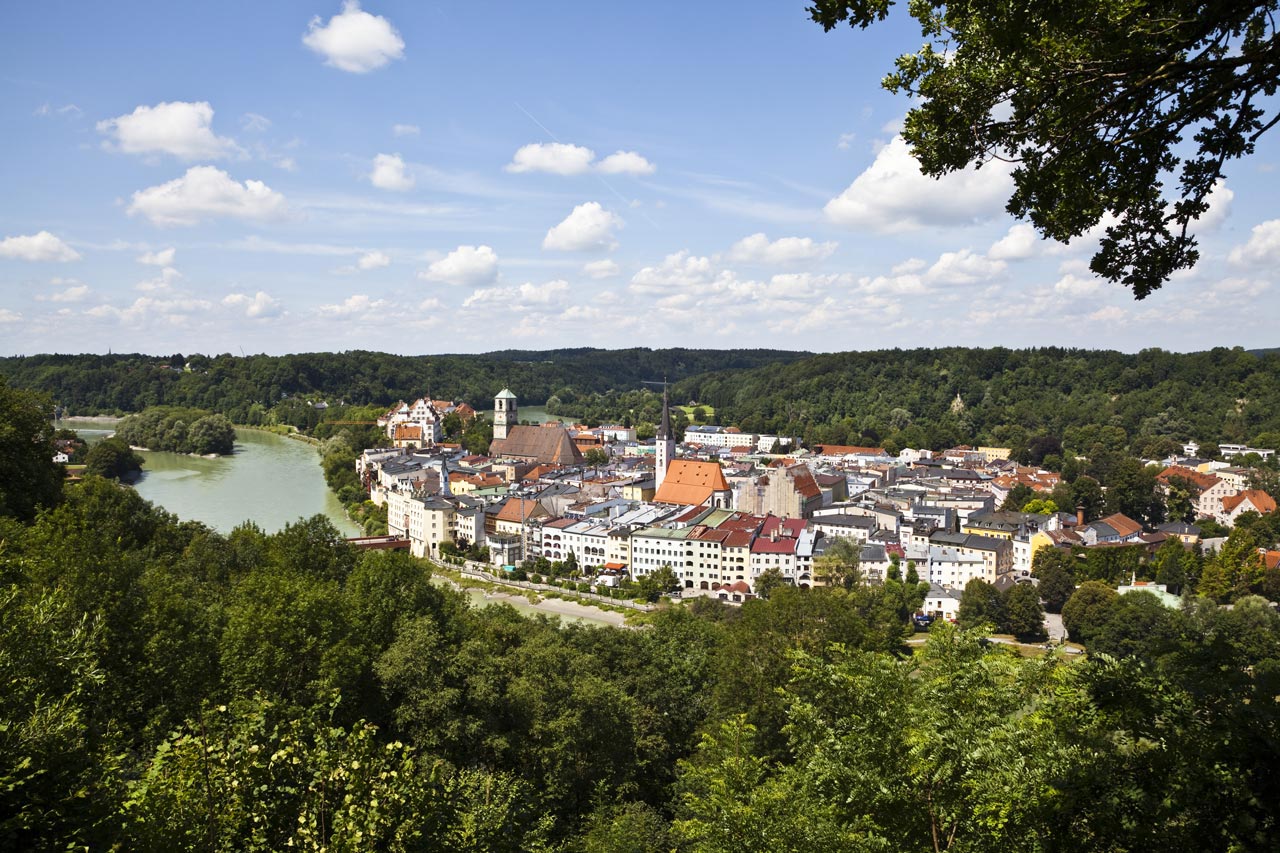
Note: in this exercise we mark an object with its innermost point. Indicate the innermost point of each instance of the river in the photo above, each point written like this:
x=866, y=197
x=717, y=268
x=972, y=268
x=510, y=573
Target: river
x=269, y=480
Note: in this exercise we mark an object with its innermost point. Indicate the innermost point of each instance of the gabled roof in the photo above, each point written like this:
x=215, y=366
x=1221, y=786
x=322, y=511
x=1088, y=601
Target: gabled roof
x=519, y=511
x=847, y=450
x=691, y=482
x=1260, y=500
x=543, y=445
x=1203, y=482
x=1121, y=524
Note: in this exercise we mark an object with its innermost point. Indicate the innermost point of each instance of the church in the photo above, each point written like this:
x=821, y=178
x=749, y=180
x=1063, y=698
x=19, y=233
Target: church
x=537, y=445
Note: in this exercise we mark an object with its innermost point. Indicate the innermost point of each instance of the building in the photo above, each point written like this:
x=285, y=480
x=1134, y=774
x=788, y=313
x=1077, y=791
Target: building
x=505, y=414
x=664, y=448
x=964, y=556
x=691, y=482
x=424, y=520
x=791, y=491
x=536, y=445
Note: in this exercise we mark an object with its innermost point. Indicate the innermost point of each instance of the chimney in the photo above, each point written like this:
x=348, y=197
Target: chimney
x=1080, y=515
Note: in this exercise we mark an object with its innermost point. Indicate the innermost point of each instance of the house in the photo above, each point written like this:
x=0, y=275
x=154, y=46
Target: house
x=789, y=492
x=1250, y=500
x=1189, y=534
x=942, y=602
x=966, y=556
x=691, y=482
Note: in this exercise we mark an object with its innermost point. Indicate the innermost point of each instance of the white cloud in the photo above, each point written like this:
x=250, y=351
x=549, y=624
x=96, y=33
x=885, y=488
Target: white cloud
x=164, y=281
x=174, y=311
x=373, y=260
x=353, y=307
x=601, y=269
x=254, y=123
x=910, y=265
x=1108, y=314
x=1262, y=248
x=259, y=306
x=589, y=226
x=1219, y=200
x=389, y=173
x=558, y=158
x=1021, y=242
x=42, y=246
x=518, y=298
x=963, y=267
x=7, y=316
x=466, y=265
x=65, y=110
x=626, y=163
x=175, y=127
x=893, y=195
x=784, y=250
x=405, y=129
x=845, y=140
x=678, y=271
x=73, y=291
x=162, y=258
x=1077, y=286
x=1247, y=288
x=206, y=191
x=354, y=40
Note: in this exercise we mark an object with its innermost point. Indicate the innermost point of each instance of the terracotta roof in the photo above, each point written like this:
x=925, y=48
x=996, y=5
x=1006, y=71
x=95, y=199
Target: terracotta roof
x=538, y=444
x=804, y=481
x=1122, y=524
x=1271, y=559
x=408, y=432
x=1261, y=501
x=691, y=482
x=1203, y=482
x=518, y=510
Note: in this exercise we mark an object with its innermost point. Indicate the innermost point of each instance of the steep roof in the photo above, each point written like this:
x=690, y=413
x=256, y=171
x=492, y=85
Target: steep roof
x=505, y=394
x=691, y=482
x=1261, y=501
x=1203, y=482
x=547, y=446
x=520, y=510
x=1122, y=524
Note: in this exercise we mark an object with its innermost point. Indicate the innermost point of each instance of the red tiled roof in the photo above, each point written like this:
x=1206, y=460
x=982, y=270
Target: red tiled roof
x=1122, y=524
x=848, y=450
x=1203, y=482
x=691, y=482
x=1261, y=501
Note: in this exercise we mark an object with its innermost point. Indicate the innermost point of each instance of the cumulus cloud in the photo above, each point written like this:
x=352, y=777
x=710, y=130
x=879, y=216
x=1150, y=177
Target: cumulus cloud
x=465, y=265
x=7, y=316
x=1020, y=243
x=589, y=226
x=963, y=267
x=353, y=307
x=173, y=310
x=389, y=173
x=72, y=291
x=1219, y=201
x=558, y=158
x=258, y=306
x=206, y=191
x=164, y=281
x=354, y=40
x=179, y=128
x=893, y=195
x=679, y=270
x=518, y=298
x=162, y=258
x=626, y=163
x=405, y=129
x=600, y=269
x=41, y=246
x=784, y=250
x=373, y=260
x=1262, y=247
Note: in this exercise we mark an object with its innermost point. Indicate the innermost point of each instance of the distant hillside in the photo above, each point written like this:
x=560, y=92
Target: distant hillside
x=230, y=384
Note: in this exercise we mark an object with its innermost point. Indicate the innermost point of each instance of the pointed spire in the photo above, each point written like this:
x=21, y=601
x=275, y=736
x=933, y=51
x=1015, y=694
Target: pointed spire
x=664, y=429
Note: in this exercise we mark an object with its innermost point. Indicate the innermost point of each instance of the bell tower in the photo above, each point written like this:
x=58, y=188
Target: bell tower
x=504, y=413
x=665, y=446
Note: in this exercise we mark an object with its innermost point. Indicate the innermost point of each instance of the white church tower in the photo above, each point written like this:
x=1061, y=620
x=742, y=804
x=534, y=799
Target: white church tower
x=504, y=413
x=664, y=446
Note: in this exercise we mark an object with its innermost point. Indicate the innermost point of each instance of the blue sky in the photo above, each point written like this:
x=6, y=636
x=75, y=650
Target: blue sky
x=423, y=177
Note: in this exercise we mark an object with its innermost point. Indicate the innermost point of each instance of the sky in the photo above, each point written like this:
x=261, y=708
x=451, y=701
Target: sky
x=422, y=177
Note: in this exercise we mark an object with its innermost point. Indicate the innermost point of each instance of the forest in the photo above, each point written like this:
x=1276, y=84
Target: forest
x=178, y=430
x=1037, y=401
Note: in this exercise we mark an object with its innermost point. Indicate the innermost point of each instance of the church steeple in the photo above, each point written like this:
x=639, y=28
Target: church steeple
x=665, y=445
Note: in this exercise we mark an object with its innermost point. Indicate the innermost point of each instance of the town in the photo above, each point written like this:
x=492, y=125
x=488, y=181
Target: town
x=722, y=509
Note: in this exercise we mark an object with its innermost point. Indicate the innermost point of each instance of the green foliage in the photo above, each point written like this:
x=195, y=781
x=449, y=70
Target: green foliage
x=981, y=604
x=113, y=459
x=1055, y=569
x=1088, y=610
x=1095, y=101
x=28, y=477
x=178, y=430
x=769, y=580
x=1023, y=615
